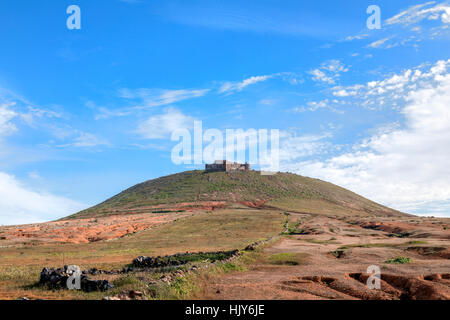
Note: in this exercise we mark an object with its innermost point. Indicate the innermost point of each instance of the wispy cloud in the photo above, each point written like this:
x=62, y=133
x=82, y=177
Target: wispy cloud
x=229, y=87
x=410, y=27
x=86, y=140
x=257, y=17
x=357, y=37
x=295, y=146
x=162, y=125
x=15, y=116
x=17, y=112
x=311, y=106
x=414, y=14
x=328, y=71
x=105, y=113
x=6, y=115
x=160, y=97
x=378, y=43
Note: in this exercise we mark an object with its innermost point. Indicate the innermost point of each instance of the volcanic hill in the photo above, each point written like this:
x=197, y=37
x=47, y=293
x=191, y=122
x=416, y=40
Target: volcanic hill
x=296, y=238
x=189, y=190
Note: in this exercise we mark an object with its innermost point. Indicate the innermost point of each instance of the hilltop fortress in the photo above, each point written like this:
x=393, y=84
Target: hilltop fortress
x=227, y=166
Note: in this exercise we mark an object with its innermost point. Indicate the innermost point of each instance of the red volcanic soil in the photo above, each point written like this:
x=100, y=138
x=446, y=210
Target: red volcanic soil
x=84, y=230
x=176, y=207
x=116, y=224
x=423, y=230
x=201, y=205
x=254, y=204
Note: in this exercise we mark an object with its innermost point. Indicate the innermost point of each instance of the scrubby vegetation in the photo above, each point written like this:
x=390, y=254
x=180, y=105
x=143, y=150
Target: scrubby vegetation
x=339, y=253
x=292, y=229
x=181, y=259
x=398, y=260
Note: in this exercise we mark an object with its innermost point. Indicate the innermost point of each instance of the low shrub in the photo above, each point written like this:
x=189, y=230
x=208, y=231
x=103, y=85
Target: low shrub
x=398, y=260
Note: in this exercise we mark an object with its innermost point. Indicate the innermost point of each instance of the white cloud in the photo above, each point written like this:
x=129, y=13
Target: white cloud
x=334, y=66
x=356, y=37
x=17, y=113
x=313, y=106
x=162, y=125
x=333, y=105
x=378, y=43
x=404, y=166
x=344, y=93
x=239, y=86
x=411, y=27
x=159, y=97
x=86, y=140
x=105, y=113
x=421, y=12
x=319, y=75
x=6, y=115
x=291, y=78
x=20, y=204
x=34, y=175
x=328, y=71
x=294, y=146
x=268, y=102
x=390, y=92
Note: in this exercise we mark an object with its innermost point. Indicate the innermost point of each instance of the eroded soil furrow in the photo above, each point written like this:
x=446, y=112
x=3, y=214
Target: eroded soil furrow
x=338, y=253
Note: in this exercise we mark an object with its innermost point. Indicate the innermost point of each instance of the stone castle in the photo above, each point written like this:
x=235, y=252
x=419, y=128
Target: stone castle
x=227, y=166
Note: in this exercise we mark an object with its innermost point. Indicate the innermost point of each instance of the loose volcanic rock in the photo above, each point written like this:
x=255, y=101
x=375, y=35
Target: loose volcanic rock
x=58, y=279
x=181, y=259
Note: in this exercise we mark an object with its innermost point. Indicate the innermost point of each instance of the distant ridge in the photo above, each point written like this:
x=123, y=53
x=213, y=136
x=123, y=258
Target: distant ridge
x=285, y=191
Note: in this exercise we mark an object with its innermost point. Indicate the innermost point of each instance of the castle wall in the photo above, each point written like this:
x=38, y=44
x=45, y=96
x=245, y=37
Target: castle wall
x=226, y=166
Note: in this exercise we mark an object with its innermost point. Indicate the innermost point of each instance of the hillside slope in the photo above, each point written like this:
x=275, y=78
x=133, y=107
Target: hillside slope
x=283, y=190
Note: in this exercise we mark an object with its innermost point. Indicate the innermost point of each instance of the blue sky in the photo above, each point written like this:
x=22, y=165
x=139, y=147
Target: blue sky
x=87, y=113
